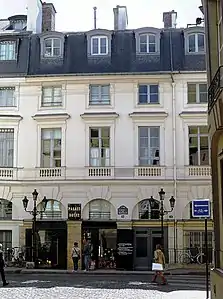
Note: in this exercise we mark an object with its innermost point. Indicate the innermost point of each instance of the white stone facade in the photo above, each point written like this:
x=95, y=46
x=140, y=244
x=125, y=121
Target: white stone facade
x=124, y=181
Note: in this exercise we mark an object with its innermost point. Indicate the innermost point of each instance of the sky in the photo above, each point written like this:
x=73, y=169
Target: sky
x=73, y=15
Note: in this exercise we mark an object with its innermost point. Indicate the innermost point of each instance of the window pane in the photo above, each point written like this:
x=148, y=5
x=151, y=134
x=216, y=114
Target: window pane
x=193, y=130
x=200, y=42
x=6, y=147
x=143, y=48
x=103, y=45
x=152, y=39
x=203, y=130
x=204, y=151
x=143, y=99
x=143, y=39
x=193, y=151
x=203, y=93
x=94, y=133
x=191, y=90
x=191, y=41
x=48, y=43
x=56, y=51
x=56, y=43
x=95, y=43
x=143, y=131
x=105, y=132
x=152, y=48
x=154, y=132
x=153, y=88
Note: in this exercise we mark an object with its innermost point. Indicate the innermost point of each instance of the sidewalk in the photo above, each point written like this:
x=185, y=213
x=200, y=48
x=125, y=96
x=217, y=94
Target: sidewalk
x=178, y=271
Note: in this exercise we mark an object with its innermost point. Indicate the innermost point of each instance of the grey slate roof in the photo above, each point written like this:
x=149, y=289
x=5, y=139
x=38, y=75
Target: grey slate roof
x=123, y=58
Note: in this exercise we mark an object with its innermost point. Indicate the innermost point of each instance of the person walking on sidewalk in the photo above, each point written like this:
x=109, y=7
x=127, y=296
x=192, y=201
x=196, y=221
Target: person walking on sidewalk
x=76, y=253
x=159, y=258
x=87, y=255
x=2, y=265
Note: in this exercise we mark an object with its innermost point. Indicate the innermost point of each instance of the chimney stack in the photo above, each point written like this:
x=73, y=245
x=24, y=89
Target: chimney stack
x=120, y=17
x=48, y=20
x=34, y=16
x=169, y=19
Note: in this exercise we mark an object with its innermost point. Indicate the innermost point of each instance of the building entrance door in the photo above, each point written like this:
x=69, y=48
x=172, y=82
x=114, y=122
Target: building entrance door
x=145, y=241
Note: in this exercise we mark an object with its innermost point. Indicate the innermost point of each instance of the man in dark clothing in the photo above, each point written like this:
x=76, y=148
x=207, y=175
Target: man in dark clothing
x=2, y=265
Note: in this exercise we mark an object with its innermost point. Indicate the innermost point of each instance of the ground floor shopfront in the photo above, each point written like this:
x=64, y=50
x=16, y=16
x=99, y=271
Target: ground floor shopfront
x=125, y=245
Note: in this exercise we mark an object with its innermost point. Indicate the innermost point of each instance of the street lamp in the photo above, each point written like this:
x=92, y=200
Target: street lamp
x=164, y=212
x=34, y=212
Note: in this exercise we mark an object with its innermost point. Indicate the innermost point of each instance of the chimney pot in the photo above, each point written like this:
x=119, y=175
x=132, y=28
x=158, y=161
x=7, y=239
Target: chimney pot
x=169, y=19
x=120, y=17
x=48, y=20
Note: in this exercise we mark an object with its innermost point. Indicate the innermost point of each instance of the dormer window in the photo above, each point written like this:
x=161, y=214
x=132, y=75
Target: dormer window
x=147, y=43
x=52, y=47
x=99, y=45
x=7, y=50
x=196, y=43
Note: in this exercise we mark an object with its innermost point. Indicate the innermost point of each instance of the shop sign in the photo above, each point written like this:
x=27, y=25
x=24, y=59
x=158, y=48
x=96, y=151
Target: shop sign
x=125, y=249
x=123, y=211
x=74, y=211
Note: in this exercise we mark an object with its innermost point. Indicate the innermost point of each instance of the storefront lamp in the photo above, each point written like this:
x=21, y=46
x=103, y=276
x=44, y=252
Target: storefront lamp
x=172, y=202
x=35, y=194
x=25, y=202
x=44, y=203
x=162, y=194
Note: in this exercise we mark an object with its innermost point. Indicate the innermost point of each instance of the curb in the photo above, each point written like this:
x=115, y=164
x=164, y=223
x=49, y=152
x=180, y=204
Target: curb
x=94, y=273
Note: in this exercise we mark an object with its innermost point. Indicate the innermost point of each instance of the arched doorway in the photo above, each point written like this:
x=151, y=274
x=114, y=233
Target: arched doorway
x=100, y=229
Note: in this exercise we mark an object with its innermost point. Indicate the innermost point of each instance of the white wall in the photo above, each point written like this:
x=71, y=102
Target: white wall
x=124, y=141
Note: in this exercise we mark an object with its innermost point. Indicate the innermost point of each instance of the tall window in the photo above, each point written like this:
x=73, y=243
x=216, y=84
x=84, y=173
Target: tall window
x=51, y=148
x=147, y=43
x=7, y=97
x=6, y=147
x=148, y=212
x=5, y=209
x=52, y=47
x=149, y=94
x=99, y=209
x=196, y=43
x=51, y=97
x=8, y=50
x=99, y=45
x=199, y=147
x=100, y=146
x=149, y=146
x=197, y=93
x=99, y=95
x=52, y=211
x=6, y=239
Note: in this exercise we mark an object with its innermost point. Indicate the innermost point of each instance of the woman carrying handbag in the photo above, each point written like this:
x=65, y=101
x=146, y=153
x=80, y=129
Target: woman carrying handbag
x=159, y=265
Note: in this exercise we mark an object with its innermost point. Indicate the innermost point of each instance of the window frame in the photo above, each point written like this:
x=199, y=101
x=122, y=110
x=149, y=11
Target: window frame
x=6, y=56
x=198, y=136
x=52, y=47
x=5, y=209
x=100, y=101
x=196, y=35
x=197, y=84
x=99, y=37
x=12, y=141
x=103, y=214
x=148, y=94
x=51, y=213
x=100, y=148
x=52, y=148
x=53, y=88
x=148, y=35
x=5, y=97
x=149, y=147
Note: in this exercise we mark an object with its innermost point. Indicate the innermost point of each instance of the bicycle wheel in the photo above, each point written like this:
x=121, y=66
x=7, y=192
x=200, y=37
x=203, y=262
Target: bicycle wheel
x=200, y=258
x=185, y=259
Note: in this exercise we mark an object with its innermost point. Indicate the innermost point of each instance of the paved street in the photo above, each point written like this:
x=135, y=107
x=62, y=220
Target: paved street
x=97, y=286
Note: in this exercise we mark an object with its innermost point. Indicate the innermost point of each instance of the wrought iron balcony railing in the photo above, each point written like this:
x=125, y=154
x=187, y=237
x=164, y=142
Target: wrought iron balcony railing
x=215, y=88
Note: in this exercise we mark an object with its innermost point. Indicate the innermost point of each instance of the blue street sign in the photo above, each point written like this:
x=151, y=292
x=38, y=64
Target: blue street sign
x=201, y=208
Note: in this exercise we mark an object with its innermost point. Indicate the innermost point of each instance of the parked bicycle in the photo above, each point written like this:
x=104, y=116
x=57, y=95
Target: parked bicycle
x=188, y=258
x=16, y=257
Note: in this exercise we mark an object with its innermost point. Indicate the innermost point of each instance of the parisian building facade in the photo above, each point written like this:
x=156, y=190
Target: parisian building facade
x=98, y=122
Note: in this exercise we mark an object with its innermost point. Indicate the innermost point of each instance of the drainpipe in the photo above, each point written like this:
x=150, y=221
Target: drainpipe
x=174, y=159
x=174, y=141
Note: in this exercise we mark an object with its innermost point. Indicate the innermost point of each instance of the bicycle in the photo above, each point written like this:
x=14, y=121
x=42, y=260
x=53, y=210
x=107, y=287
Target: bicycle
x=188, y=258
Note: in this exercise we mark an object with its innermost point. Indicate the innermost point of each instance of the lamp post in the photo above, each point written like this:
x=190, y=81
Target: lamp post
x=34, y=212
x=162, y=211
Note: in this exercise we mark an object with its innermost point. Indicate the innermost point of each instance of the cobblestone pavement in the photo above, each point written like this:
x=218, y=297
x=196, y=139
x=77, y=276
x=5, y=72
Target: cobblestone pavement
x=71, y=286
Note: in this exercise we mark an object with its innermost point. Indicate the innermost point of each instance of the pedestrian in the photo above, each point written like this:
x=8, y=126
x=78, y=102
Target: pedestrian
x=2, y=265
x=159, y=258
x=76, y=254
x=87, y=255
